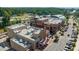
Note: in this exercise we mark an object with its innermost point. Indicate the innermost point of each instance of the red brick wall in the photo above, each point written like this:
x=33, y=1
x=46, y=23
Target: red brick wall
x=40, y=24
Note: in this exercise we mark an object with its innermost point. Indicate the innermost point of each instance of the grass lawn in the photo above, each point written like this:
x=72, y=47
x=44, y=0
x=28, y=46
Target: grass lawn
x=1, y=30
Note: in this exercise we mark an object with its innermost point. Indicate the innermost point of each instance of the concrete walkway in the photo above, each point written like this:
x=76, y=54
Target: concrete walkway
x=77, y=44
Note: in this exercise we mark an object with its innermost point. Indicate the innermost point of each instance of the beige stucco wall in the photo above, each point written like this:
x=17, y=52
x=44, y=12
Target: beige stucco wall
x=17, y=47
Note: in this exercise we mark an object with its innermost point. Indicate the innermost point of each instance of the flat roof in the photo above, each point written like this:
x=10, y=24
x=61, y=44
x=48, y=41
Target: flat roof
x=3, y=39
x=29, y=32
x=16, y=26
x=42, y=19
x=51, y=21
x=56, y=21
x=59, y=16
x=17, y=42
x=4, y=49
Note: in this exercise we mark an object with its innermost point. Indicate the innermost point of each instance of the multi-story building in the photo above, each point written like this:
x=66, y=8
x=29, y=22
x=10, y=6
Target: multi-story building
x=53, y=23
x=13, y=29
x=34, y=36
x=3, y=42
x=24, y=37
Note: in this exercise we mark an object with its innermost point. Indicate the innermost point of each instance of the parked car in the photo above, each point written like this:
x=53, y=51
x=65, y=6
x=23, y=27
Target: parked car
x=74, y=40
x=70, y=43
x=66, y=49
x=69, y=48
x=66, y=28
x=73, y=36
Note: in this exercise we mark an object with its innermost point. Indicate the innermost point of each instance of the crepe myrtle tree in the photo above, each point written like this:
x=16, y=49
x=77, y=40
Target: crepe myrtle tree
x=56, y=38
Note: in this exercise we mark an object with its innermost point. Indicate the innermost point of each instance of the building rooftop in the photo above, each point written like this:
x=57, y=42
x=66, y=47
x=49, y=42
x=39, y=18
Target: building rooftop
x=30, y=33
x=4, y=48
x=51, y=21
x=60, y=16
x=47, y=17
x=16, y=26
x=21, y=42
x=42, y=19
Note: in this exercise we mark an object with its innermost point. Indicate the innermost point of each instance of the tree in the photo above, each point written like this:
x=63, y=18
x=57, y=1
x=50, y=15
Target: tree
x=7, y=12
x=56, y=38
x=5, y=21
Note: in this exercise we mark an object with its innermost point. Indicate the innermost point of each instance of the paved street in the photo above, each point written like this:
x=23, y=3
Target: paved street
x=77, y=45
x=62, y=39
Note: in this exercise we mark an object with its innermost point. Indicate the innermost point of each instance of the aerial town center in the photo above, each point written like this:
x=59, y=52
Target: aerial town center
x=40, y=33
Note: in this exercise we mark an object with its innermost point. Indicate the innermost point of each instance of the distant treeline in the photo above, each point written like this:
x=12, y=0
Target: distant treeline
x=7, y=12
x=40, y=11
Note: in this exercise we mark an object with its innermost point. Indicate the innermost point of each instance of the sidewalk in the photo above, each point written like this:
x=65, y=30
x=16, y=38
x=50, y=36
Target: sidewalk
x=77, y=44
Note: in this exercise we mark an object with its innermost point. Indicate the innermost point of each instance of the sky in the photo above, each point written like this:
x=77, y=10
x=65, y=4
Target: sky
x=39, y=3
